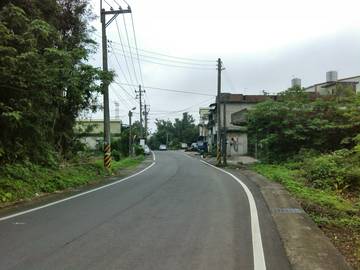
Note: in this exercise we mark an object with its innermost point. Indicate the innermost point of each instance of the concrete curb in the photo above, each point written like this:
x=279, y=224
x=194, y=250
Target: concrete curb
x=306, y=246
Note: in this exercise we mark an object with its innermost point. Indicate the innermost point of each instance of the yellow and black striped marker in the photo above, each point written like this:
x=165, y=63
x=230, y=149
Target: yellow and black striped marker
x=218, y=155
x=107, y=156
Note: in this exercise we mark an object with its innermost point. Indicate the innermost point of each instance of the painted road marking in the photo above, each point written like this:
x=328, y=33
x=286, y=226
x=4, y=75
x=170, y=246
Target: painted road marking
x=258, y=251
x=77, y=195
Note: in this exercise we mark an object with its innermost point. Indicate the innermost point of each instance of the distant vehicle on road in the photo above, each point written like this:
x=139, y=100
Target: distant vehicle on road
x=194, y=146
x=146, y=150
x=162, y=147
x=184, y=146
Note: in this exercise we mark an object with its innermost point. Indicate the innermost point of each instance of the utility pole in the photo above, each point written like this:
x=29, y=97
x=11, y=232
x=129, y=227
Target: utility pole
x=140, y=92
x=146, y=112
x=218, y=141
x=224, y=138
x=104, y=24
x=130, y=134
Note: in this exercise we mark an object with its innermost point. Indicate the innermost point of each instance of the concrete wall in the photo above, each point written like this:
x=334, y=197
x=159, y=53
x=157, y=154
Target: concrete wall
x=237, y=144
x=230, y=109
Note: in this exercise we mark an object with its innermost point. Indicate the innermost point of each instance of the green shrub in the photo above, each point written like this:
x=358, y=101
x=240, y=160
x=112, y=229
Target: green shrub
x=115, y=154
x=138, y=150
x=337, y=170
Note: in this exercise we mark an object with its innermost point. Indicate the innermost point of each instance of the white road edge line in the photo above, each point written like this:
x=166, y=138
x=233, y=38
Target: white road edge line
x=77, y=195
x=258, y=251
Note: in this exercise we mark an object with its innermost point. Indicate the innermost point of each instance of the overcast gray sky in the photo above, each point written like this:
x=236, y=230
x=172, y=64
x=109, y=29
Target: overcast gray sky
x=263, y=45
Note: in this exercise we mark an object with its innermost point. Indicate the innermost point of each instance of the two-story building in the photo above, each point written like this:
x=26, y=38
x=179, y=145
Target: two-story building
x=234, y=107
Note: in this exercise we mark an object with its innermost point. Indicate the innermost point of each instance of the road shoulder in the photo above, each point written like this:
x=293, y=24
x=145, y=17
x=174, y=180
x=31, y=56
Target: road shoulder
x=48, y=198
x=305, y=244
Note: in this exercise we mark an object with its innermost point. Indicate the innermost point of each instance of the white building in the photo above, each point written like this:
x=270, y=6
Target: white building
x=328, y=87
x=203, y=123
x=91, y=132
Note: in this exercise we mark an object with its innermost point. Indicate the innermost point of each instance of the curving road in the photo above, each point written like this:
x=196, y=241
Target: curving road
x=177, y=214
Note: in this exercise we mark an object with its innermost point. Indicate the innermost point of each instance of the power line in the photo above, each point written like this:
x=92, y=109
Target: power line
x=177, y=57
x=170, y=90
x=137, y=49
x=116, y=2
x=131, y=56
x=121, y=99
x=170, y=60
x=183, y=110
x=118, y=62
x=167, y=55
x=108, y=4
x=122, y=46
x=171, y=65
x=126, y=3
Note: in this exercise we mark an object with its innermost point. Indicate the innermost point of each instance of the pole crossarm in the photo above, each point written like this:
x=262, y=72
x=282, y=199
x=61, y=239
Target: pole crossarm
x=113, y=12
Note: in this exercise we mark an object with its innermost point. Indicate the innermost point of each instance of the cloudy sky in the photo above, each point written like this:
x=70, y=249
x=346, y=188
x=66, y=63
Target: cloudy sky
x=262, y=43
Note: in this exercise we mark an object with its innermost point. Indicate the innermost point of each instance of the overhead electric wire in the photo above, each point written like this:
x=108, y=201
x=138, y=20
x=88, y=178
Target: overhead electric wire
x=122, y=46
x=171, y=61
x=183, y=110
x=118, y=62
x=171, y=65
x=171, y=90
x=137, y=49
x=108, y=4
x=126, y=3
x=131, y=97
x=171, y=57
x=116, y=2
x=176, y=57
x=121, y=99
x=131, y=56
x=166, y=55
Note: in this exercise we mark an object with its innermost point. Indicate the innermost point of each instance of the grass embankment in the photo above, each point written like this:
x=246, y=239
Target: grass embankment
x=25, y=181
x=336, y=213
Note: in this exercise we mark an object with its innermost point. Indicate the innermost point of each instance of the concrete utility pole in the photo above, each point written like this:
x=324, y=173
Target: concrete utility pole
x=146, y=113
x=224, y=138
x=218, y=141
x=140, y=92
x=130, y=134
x=104, y=24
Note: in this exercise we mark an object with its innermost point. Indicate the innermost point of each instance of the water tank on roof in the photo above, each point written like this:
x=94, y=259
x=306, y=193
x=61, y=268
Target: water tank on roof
x=296, y=82
x=331, y=76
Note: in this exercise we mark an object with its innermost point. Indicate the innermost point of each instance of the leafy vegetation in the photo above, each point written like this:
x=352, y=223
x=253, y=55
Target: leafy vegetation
x=25, y=181
x=331, y=204
x=311, y=145
x=299, y=121
x=44, y=78
x=180, y=131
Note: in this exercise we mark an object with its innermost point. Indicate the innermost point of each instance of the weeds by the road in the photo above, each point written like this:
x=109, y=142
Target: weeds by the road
x=26, y=180
x=336, y=212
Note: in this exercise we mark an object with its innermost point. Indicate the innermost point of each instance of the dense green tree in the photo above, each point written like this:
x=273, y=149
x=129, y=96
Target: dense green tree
x=298, y=121
x=44, y=79
x=181, y=130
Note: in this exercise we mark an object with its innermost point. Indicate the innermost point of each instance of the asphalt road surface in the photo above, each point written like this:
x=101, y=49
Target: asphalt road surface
x=178, y=213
